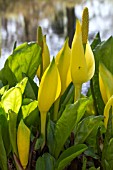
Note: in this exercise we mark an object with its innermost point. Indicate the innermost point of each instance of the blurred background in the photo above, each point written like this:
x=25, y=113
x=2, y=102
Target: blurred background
x=19, y=21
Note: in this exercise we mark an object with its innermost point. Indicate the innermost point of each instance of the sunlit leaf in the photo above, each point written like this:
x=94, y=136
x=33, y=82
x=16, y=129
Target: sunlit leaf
x=12, y=99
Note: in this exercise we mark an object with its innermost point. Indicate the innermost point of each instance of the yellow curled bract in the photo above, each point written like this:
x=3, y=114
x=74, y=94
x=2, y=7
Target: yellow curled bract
x=63, y=63
x=105, y=82
x=23, y=143
x=82, y=65
x=50, y=87
x=107, y=109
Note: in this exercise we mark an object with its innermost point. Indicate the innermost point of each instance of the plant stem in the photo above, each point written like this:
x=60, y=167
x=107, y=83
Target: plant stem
x=56, y=108
x=43, y=126
x=77, y=92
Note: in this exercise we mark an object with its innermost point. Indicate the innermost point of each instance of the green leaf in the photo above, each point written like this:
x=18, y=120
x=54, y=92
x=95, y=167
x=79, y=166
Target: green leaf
x=12, y=99
x=94, y=83
x=50, y=135
x=22, y=84
x=46, y=162
x=31, y=90
x=68, y=155
x=33, y=119
x=5, y=131
x=4, y=89
x=2, y=77
x=25, y=59
x=39, y=143
x=105, y=54
x=9, y=76
x=108, y=157
x=3, y=157
x=96, y=41
x=13, y=131
x=66, y=124
x=40, y=164
x=30, y=114
x=27, y=109
x=87, y=129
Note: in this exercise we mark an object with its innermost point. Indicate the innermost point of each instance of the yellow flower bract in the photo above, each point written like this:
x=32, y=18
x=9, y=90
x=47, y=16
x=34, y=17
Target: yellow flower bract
x=82, y=65
x=50, y=87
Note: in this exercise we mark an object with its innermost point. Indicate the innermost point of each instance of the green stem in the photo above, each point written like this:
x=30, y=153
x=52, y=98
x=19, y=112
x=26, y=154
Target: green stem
x=43, y=126
x=56, y=108
x=77, y=92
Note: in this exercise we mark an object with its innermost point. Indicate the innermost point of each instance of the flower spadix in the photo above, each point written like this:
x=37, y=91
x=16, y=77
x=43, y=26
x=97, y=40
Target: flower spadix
x=63, y=63
x=82, y=63
x=45, y=58
x=50, y=87
x=105, y=82
x=107, y=109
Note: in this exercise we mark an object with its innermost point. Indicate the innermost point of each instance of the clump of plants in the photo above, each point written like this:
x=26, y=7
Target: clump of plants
x=52, y=126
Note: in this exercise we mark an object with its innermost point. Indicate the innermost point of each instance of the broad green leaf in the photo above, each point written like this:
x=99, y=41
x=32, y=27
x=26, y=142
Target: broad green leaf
x=68, y=155
x=66, y=124
x=31, y=90
x=33, y=119
x=46, y=162
x=2, y=77
x=4, y=89
x=27, y=109
x=5, y=131
x=50, y=135
x=3, y=157
x=22, y=84
x=108, y=157
x=96, y=41
x=9, y=76
x=13, y=131
x=40, y=164
x=12, y=99
x=87, y=129
x=105, y=54
x=25, y=59
x=94, y=83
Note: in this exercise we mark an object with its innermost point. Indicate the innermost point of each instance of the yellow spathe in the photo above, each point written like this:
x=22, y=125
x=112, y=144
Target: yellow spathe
x=63, y=63
x=107, y=109
x=105, y=82
x=82, y=65
x=23, y=143
x=50, y=87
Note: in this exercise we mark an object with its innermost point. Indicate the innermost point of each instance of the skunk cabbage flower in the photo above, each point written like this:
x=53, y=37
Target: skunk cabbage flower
x=49, y=91
x=50, y=87
x=23, y=143
x=63, y=63
x=107, y=109
x=82, y=63
x=105, y=82
x=45, y=58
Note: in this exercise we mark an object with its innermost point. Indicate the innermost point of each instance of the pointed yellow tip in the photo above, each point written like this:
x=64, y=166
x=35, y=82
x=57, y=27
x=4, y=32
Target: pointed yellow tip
x=78, y=27
x=85, y=25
